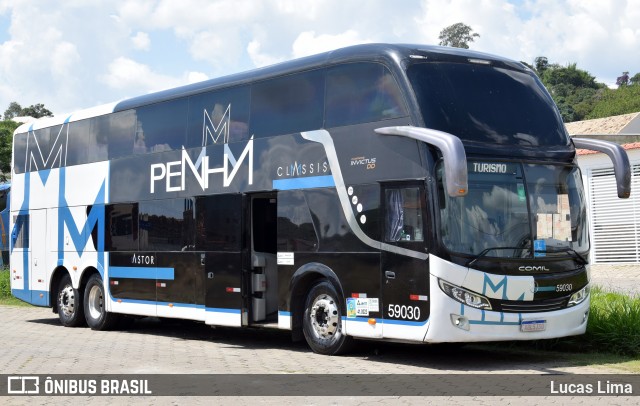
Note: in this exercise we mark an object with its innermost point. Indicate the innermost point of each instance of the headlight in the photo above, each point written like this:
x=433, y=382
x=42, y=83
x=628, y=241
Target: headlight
x=464, y=296
x=579, y=297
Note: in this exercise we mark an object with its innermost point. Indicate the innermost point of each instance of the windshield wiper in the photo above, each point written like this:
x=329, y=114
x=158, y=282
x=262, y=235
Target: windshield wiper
x=573, y=253
x=486, y=251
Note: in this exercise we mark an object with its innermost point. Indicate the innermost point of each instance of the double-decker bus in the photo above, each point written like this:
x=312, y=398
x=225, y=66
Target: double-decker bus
x=398, y=192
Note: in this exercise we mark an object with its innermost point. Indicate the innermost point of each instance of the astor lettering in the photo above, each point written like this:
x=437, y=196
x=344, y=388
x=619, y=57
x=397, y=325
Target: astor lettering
x=143, y=259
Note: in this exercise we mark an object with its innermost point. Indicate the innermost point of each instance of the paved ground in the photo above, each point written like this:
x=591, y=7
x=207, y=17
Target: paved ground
x=621, y=278
x=35, y=343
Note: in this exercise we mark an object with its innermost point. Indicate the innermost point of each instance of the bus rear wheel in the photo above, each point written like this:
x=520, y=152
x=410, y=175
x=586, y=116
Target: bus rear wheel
x=69, y=304
x=322, y=321
x=98, y=318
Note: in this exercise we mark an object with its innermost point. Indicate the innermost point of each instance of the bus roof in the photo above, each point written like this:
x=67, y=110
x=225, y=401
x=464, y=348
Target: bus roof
x=392, y=53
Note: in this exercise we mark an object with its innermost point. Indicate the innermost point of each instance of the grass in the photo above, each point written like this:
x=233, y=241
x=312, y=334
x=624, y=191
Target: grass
x=612, y=338
x=6, y=298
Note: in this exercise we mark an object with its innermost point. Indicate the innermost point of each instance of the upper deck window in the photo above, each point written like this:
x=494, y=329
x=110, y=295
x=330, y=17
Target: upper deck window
x=360, y=93
x=487, y=104
x=287, y=104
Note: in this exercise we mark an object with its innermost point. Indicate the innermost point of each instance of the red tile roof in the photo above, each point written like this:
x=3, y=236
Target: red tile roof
x=633, y=145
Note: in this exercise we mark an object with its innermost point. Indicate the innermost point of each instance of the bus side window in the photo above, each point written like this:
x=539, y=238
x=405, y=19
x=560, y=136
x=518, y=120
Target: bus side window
x=219, y=223
x=161, y=127
x=117, y=131
x=218, y=117
x=361, y=92
x=403, y=218
x=167, y=225
x=122, y=227
x=288, y=104
x=21, y=236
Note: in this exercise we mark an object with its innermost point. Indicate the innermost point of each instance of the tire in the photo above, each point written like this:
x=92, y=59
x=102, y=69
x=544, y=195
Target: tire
x=322, y=321
x=69, y=302
x=96, y=314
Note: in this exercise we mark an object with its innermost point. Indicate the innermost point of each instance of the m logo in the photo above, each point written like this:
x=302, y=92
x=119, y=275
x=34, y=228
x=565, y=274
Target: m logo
x=47, y=148
x=216, y=132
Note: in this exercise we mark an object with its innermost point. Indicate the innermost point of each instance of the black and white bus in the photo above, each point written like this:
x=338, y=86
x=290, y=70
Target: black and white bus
x=410, y=193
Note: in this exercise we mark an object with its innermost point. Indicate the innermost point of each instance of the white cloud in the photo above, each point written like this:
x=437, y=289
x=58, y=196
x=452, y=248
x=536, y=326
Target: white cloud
x=194, y=77
x=260, y=59
x=125, y=73
x=76, y=54
x=141, y=41
x=308, y=43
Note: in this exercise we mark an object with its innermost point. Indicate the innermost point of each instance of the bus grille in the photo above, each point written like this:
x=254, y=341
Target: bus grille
x=547, y=305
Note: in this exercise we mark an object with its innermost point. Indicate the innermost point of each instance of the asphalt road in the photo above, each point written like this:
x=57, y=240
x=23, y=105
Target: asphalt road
x=35, y=343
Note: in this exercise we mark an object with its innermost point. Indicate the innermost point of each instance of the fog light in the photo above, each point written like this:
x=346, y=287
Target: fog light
x=460, y=321
x=585, y=317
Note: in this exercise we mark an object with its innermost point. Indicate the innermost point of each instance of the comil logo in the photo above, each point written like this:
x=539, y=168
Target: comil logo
x=23, y=385
x=540, y=268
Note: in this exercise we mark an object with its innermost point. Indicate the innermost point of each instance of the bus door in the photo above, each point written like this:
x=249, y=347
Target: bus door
x=38, y=249
x=263, y=275
x=405, y=279
x=219, y=242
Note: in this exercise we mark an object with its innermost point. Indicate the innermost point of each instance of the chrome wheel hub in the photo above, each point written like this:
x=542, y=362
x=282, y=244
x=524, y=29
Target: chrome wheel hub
x=95, y=302
x=324, y=317
x=66, y=301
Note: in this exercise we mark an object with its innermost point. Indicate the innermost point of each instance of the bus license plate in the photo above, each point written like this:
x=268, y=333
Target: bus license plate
x=533, y=325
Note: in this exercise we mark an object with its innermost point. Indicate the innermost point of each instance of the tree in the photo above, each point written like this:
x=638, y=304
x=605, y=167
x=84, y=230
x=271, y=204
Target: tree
x=635, y=79
x=457, y=35
x=574, y=90
x=12, y=111
x=35, y=110
x=541, y=64
x=623, y=80
x=7, y=127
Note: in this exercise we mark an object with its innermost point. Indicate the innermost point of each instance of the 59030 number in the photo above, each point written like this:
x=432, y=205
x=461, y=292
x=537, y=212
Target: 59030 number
x=396, y=311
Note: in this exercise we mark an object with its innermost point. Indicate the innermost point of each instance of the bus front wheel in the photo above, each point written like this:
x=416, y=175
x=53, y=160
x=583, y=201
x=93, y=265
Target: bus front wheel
x=69, y=303
x=322, y=321
x=98, y=318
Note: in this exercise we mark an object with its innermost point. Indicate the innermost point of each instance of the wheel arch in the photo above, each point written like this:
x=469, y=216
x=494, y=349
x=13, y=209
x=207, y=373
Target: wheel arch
x=301, y=283
x=54, y=282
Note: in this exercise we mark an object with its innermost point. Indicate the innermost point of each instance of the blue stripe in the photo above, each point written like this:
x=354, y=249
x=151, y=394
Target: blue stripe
x=303, y=183
x=545, y=289
x=131, y=272
x=189, y=305
x=32, y=296
x=284, y=314
x=223, y=310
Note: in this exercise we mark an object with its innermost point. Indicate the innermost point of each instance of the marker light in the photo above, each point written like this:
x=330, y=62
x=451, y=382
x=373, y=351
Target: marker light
x=465, y=296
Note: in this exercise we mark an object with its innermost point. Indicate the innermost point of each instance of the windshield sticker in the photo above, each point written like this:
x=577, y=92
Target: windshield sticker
x=521, y=195
x=539, y=248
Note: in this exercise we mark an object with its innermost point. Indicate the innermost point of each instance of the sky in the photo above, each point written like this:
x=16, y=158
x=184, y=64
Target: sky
x=75, y=54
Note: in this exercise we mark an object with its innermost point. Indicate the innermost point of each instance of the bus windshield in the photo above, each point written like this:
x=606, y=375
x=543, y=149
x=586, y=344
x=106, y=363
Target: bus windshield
x=486, y=104
x=515, y=210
